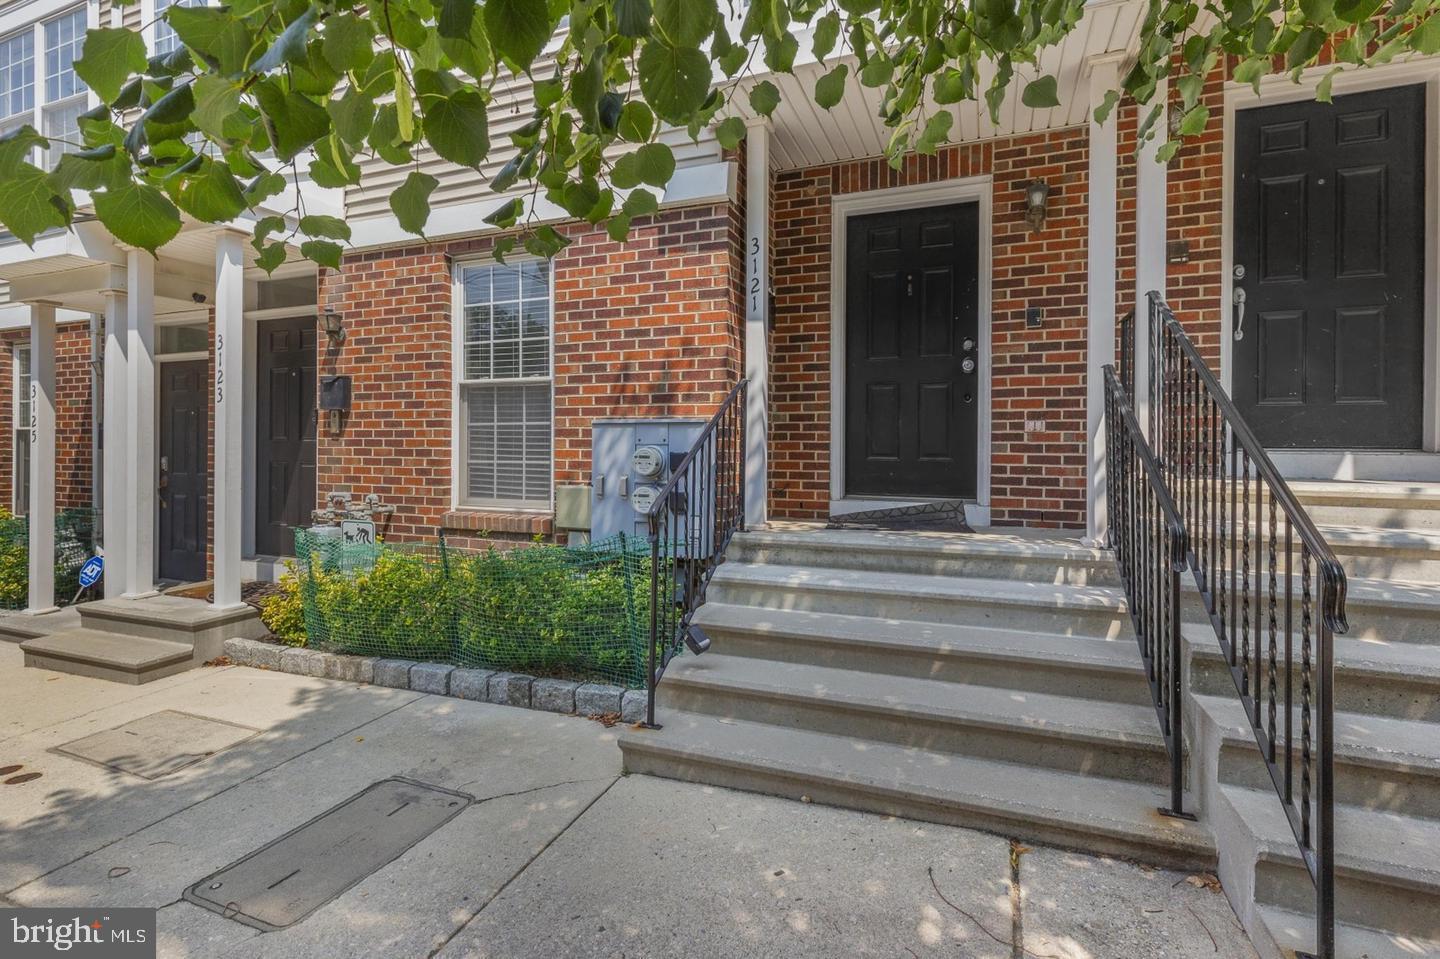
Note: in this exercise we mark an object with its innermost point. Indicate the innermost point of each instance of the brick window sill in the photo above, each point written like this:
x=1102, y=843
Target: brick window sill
x=524, y=522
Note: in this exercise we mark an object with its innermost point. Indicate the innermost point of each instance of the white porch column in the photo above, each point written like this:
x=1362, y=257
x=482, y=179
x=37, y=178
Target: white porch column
x=1100, y=340
x=757, y=321
x=42, y=458
x=229, y=414
x=116, y=442
x=140, y=413
x=1150, y=253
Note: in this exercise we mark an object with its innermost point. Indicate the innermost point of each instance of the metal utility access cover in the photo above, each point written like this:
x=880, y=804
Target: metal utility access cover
x=283, y=882
x=157, y=745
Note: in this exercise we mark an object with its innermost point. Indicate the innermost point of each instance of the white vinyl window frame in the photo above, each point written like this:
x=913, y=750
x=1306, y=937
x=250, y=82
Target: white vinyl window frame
x=20, y=369
x=162, y=38
x=465, y=385
x=55, y=96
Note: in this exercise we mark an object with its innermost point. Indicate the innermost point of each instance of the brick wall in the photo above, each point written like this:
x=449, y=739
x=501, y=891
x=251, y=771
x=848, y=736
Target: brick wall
x=1037, y=477
x=644, y=328
x=72, y=414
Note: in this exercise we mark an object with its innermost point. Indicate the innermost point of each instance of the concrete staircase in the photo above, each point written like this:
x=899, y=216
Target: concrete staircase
x=1387, y=757
x=130, y=641
x=987, y=680
x=992, y=680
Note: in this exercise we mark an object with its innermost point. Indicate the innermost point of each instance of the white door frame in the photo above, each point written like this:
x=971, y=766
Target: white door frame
x=1280, y=89
x=975, y=189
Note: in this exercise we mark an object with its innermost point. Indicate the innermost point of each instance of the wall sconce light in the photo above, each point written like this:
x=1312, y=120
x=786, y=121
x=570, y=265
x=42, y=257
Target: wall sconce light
x=1036, y=193
x=334, y=326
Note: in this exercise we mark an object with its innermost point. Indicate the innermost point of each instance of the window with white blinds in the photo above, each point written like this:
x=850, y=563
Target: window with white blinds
x=505, y=383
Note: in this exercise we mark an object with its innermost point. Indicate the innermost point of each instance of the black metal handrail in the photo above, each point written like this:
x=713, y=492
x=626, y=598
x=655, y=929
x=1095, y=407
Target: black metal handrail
x=1234, y=504
x=1149, y=542
x=691, y=522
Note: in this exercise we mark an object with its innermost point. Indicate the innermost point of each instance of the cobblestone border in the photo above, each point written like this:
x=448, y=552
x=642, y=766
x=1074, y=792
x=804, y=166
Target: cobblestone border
x=479, y=685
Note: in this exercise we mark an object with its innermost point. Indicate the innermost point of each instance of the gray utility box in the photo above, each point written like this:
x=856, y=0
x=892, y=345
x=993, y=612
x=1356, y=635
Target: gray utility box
x=631, y=461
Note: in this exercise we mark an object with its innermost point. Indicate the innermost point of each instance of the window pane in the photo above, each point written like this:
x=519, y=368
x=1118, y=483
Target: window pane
x=508, y=442
x=17, y=75
x=62, y=124
x=21, y=461
x=22, y=388
x=189, y=338
x=63, y=38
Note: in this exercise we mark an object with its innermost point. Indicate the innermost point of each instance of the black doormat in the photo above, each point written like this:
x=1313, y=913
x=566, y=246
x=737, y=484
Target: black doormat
x=919, y=517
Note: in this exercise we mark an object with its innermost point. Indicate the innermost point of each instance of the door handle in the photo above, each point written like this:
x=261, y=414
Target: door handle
x=1238, y=299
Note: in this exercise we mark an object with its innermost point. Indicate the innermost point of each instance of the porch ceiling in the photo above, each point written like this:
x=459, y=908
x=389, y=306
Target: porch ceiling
x=803, y=134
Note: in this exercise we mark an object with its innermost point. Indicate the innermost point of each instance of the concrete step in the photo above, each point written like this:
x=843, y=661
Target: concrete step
x=992, y=554
x=102, y=655
x=16, y=626
x=1081, y=812
x=1393, y=555
x=176, y=619
x=1377, y=610
x=1059, y=609
x=1381, y=764
x=1080, y=736
x=1398, y=680
x=1387, y=875
x=1295, y=932
x=1384, y=505
x=1101, y=669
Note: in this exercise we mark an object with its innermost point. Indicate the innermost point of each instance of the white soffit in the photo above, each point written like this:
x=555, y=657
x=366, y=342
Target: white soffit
x=803, y=134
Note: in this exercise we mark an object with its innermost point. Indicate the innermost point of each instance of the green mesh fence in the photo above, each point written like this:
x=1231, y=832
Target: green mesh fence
x=75, y=530
x=578, y=613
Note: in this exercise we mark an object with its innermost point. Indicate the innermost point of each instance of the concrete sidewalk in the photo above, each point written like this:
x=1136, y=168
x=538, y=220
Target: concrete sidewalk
x=558, y=855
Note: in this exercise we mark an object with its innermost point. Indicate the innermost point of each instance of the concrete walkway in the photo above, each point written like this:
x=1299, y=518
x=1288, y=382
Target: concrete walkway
x=558, y=856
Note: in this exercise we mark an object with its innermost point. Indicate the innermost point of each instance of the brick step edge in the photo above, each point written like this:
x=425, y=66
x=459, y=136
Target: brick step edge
x=478, y=685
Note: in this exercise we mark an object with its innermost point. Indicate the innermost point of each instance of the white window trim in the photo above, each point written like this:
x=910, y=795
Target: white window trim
x=16, y=427
x=459, y=499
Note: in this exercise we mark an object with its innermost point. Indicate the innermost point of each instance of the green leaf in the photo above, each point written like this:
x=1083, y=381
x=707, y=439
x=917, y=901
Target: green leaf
x=352, y=116
x=518, y=29
x=216, y=102
x=1040, y=93
x=655, y=164
x=1317, y=11
x=618, y=228
x=213, y=196
x=289, y=47
x=322, y=252
x=830, y=89
x=625, y=173
x=102, y=166
x=174, y=107
x=454, y=22
x=293, y=120
x=1107, y=105
x=218, y=36
x=456, y=127
x=411, y=203
x=685, y=23
x=16, y=147
x=640, y=203
x=385, y=136
x=637, y=122
x=109, y=56
x=138, y=214
x=28, y=204
x=936, y=132
x=404, y=107
x=764, y=98
x=1305, y=47
x=1194, y=120
x=730, y=132
x=1426, y=37
x=348, y=43
x=674, y=82
x=328, y=227
x=272, y=256
x=827, y=33
x=1250, y=71
x=504, y=216
x=632, y=18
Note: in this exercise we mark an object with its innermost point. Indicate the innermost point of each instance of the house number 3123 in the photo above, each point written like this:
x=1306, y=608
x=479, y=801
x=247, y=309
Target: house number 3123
x=219, y=369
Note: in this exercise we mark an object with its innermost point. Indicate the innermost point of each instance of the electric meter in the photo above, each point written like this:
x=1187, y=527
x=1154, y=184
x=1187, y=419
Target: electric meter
x=648, y=461
x=643, y=498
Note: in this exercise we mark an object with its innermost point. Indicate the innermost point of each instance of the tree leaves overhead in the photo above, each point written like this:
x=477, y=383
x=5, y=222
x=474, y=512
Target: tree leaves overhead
x=221, y=128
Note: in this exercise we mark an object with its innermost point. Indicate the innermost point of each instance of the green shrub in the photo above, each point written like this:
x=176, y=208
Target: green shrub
x=14, y=562
x=398, y=607
x=283, y=611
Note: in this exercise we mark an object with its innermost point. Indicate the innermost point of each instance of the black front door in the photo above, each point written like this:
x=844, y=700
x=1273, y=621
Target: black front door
x=285, y=437
x=1329, y=247
x=184, y=507
x=912, y=386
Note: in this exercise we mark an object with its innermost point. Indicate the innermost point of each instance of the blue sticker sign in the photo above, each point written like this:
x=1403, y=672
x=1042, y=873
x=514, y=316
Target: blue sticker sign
x=90, y=573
